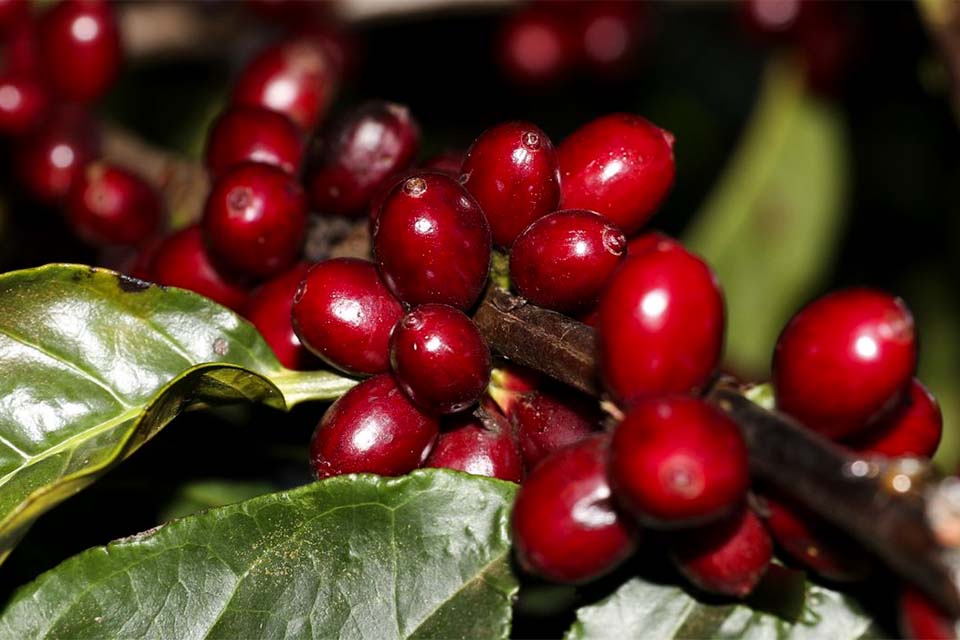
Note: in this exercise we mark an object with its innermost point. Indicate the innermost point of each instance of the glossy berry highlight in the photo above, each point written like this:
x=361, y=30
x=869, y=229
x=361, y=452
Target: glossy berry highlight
x=536, y=48
x=252, y=134
x=269, y=309
x=109, y=205
x=51, y=158
x=24, y=104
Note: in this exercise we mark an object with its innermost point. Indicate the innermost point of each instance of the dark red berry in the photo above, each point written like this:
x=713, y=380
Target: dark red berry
x=536, y=47
x=358, y=154
x=13, y=12
x=269, y=309
x=545, y=424
x=439, y=358
x=511, y=170
x=482, y=446
x=182, y=261
x=677, y=462
x=50, y=159
x=294, y=77
x=80, y=48
x=912, y=429
x=251, y=134
x=563, y=261
x=21, y=49
x=620, y=165
x=565, y=527
x=649, y=241
x=660, y=324
x=23, y=104
x=770, y=19
x=611, y=35
x=373, y=428
x=921, y=618
x=515, y=378
x=109, y=205
x=255, y=220
x=728, y=557
x=344, y=313
x=844, y=359
x=432, y=242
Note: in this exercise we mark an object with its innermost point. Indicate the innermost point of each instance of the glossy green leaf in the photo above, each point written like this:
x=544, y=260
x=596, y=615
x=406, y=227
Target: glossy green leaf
x=421, y=556
x=772, y=225
x=642, y=610
x=96, y=363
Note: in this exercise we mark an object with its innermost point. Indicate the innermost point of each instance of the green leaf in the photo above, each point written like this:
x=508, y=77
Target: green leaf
x=421, y=556
x=640, y=609
x=207, y=494
x=771, y=228
x=96, y=363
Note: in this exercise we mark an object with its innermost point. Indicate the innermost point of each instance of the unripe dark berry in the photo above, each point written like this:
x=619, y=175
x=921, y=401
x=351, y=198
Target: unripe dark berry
x=483, y=446
x=536, y=48
x=358, y=154
x=109, y=205
x=294, y=77
x=80, y=48
x=439, y=358
x=565, y=526
x=432, y=242
x=660, y=324
x=913, y=428
x=255, y=220
x=728, y=557
x=678, y=462
x=920, y=618
x=619, y=165
x=844, y=359
x=344, y=313
x=252, y=134
x=50, y=159
x=563, y=261
x=24, y=103
x=269, y=310
x=511, y=170
x=373, y=428
x=182, y=261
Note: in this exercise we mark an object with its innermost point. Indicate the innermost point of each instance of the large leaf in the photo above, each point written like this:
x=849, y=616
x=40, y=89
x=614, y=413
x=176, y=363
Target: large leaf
x=94, y=364
x=771, y=227
x=421, y=556
x=641, y=610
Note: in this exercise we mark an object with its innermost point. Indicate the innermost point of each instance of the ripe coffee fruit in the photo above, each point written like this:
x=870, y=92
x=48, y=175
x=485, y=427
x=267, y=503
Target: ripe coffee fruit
x=565, y=527
x=536, y=47
x=344, y=313
x=109, y=205
x=182, y=261
x=545, y=423
x=660, y=324
x=911, y=429
x=24, y=103
x=728, y=557
x=52, y=157
x=253, y=134
x=922, y=619
x=610, y=34
x=511, y=170
x=432, y=242
x=678, y=462
x=358, y=154
x=439, y=358
x=619, y=165
x=562, y=261
x=844, y=359
x=269, y=310
x=483, y=446
x=373, y=428
x=255, y=220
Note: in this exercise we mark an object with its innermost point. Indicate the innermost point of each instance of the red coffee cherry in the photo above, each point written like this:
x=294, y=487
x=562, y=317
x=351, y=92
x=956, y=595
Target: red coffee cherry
x=373, y=428
x=844, y=359
x=23, y=104
x=80, y=48
x=13, y=12
x=251, y=134
x=255, y=220
x=439, y=358
x=619, y=165
x=677, y=462
x=921, y=618
x=565, y=527
x=545, y=424
x=562, y=261
x=482, y=446
x=294, y=77
x=611, y=35
x=536, y=47
x=182, y=261
x=52, y=157
x=511, y=170
x=358, y=154
x=912, y=428
x=728, y=557
x=109, y=205
x=344, y=313
x=432, y=242
x=269, y=309
x=660, y=324
x=649, y=241
x=21, y=49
